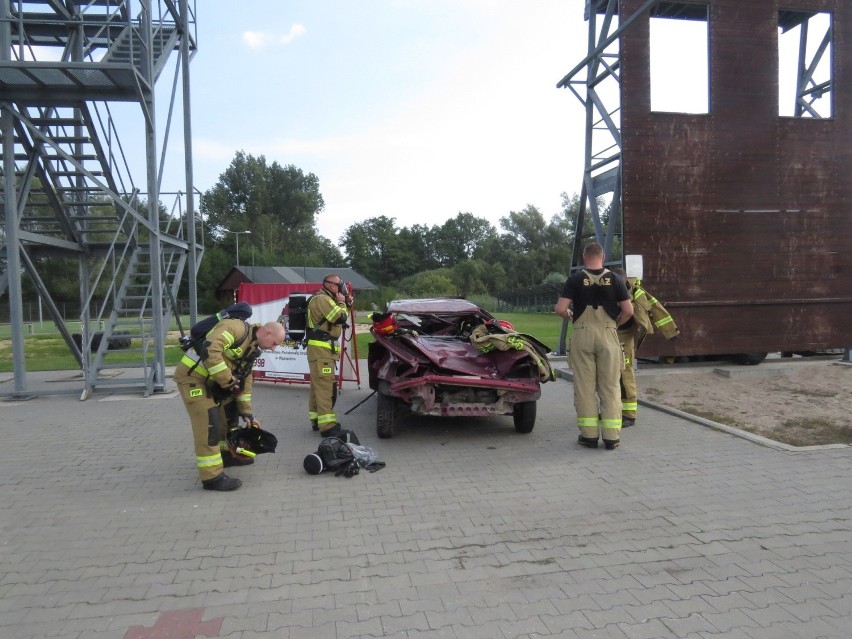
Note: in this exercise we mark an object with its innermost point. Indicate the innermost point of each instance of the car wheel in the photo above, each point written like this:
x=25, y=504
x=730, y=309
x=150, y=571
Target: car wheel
x=524, y=415
x=385, y=412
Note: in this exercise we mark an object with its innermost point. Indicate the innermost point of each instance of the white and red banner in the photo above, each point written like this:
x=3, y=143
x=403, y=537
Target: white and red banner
x=288, y=363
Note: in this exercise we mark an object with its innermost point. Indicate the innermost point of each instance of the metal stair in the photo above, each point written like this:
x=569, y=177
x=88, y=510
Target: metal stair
x=129, y=49
x=76, y=201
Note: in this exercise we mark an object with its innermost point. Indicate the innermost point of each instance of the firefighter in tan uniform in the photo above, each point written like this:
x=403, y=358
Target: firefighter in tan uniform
x=600, y=304
x=215, y=386
x=648, y=316
x=328, y=311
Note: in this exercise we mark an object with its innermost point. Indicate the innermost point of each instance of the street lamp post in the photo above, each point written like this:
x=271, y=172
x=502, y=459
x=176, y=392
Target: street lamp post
x=238, y=233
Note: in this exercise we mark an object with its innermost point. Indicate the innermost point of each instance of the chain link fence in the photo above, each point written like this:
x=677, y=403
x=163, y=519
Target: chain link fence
x=531, y=299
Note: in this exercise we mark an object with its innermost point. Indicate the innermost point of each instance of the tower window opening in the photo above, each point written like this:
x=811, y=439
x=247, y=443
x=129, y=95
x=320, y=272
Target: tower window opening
x=679, y=42
x=805, y=74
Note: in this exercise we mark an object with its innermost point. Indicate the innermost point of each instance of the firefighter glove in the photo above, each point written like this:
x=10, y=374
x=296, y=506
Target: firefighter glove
x=250, y=421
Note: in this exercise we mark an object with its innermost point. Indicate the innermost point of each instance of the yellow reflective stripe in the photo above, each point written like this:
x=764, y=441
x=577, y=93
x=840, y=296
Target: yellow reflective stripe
x=245, y=397
x=664, y=321
x=587, y=422
x=627, y=406
x=638, y=293
x=218, y=368
x=328, y=418
x=312, y=414
x=211, y=460
x=229, y=339
x=186, y=359
x=611, y=424
x=316, y=342
x=333, y=313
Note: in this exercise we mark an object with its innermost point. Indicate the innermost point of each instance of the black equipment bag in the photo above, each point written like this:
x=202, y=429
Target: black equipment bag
x=333, y=453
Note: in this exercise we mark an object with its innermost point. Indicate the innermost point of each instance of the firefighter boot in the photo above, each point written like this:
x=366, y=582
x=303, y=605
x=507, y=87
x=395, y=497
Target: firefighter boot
x=626, y=422
x=331, y=432
x=222, y=483
x=588, y=442
x=611, y=444
x=314, y=425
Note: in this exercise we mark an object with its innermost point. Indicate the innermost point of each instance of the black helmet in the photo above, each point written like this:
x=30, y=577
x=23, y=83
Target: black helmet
x=313, y=464
x=249, y=442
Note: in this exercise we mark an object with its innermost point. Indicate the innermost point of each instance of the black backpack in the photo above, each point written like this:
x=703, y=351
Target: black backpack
x=199, y=330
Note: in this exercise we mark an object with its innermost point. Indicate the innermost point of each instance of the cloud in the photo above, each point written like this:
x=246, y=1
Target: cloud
x=255, y=39
x=296, y=31
x=259, y=39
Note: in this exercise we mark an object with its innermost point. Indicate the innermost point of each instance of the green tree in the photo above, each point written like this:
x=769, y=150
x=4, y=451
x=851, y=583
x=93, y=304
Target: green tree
x=459, y=237
x=278, y=204
x=527, y=229
x=467, y=276
x=435, y=283
x=554, y=278
x=420, y=243
x=373, y=249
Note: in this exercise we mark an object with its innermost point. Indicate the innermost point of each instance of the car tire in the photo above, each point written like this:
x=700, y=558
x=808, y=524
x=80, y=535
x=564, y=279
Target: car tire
x=385, y=414
x=524, y=415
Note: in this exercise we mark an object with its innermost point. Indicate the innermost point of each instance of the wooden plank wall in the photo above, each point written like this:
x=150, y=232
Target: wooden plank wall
x=742, y=217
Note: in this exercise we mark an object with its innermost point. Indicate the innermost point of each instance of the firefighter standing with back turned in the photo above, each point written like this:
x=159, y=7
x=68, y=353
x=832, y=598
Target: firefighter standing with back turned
x=328, y=312
x=215, y=386
x=648, y=315
x=601, y=303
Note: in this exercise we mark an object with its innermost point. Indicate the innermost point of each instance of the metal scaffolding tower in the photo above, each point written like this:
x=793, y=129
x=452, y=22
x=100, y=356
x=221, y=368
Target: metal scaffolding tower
x=69, y=198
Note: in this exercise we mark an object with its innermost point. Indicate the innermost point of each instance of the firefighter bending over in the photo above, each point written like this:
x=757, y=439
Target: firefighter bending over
x=601, y=304
x=215, y=385
x=328, y=311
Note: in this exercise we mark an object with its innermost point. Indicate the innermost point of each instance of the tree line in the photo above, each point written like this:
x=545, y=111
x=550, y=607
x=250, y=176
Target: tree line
x=465, y=255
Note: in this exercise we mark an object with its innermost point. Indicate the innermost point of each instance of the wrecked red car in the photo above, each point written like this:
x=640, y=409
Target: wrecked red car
x=451, y=358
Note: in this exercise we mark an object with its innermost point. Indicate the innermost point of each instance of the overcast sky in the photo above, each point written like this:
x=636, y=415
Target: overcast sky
x=413, y=109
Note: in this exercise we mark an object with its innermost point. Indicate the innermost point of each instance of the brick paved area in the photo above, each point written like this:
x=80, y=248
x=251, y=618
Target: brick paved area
x=471, y=531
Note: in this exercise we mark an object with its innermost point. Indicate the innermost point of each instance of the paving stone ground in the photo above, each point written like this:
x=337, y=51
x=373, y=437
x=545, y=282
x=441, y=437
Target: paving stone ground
x=471, y=530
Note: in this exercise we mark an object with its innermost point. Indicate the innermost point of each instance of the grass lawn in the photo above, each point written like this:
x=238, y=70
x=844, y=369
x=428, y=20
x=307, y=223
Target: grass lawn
x=47, y=351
